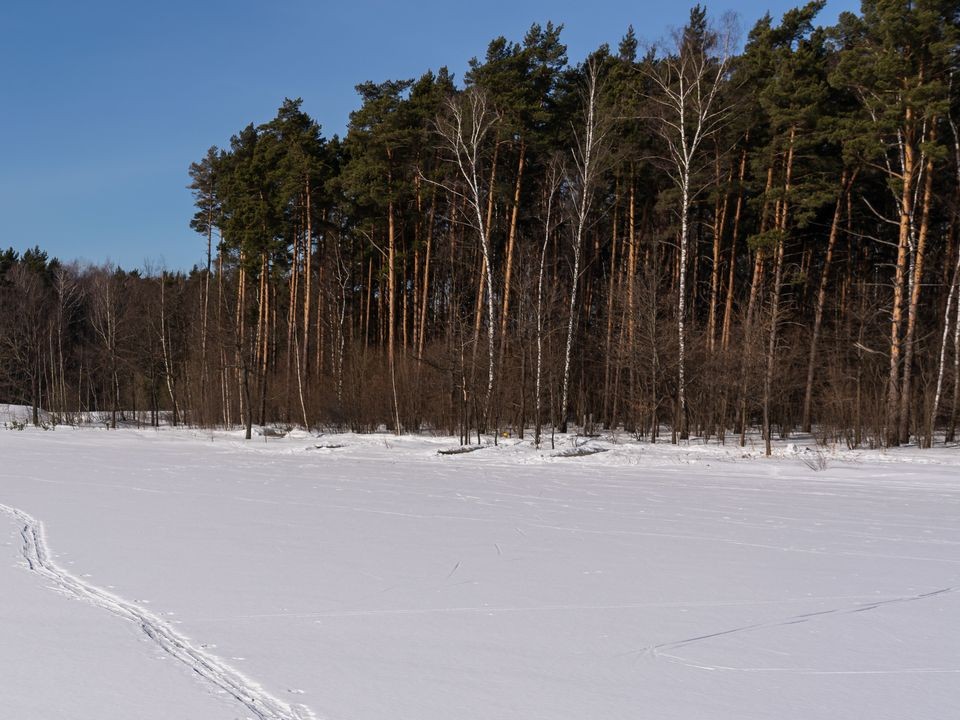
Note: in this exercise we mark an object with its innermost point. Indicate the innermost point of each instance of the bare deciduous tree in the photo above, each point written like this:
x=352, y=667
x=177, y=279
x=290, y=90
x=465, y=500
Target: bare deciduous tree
x=688, y=109
x=586, y=156
x=464, y=129
x=552, y=187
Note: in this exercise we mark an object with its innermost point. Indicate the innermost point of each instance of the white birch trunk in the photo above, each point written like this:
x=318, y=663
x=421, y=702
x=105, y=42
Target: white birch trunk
x=686, y=87
x=946, y=314
x=548, y=229
x=464, y=130
x=585, y=161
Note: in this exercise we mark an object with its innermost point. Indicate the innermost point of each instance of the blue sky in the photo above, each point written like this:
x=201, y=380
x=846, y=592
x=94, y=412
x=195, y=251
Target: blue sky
x=104, y=104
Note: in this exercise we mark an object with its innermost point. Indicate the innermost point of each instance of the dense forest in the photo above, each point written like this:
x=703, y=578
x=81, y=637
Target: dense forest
x=712, y=237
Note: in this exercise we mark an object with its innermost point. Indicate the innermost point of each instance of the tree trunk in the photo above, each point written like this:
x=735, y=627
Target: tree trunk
x=719, y=221
x=891, y=432
x=755, y=282
x=308, y=281
x=391, y=314
x=424, y=303
x=728, y=306
x=916, y=284
x=681, y=420
x=508, y=267
x=777, y=283
x=821, y=300
x=932, y=421
x=608, y=343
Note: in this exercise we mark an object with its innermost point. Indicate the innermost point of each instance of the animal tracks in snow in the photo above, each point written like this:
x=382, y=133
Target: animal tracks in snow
x=255, y=699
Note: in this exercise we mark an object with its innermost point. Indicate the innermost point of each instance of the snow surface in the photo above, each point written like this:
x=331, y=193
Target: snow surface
x=182, y=574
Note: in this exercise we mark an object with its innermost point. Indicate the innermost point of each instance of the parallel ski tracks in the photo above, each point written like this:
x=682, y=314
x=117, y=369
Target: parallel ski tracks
x=257, y=701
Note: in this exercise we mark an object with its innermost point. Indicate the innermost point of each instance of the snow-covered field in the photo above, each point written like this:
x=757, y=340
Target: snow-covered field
x=181, y=574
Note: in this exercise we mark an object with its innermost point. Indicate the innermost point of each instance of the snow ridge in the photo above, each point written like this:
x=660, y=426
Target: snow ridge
x=259, y=702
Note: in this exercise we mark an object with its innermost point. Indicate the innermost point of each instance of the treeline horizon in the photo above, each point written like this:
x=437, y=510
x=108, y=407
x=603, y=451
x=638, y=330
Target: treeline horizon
x=683, y=241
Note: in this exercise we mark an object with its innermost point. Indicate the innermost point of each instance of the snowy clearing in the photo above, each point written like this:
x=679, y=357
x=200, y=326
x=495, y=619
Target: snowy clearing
x=187, y=574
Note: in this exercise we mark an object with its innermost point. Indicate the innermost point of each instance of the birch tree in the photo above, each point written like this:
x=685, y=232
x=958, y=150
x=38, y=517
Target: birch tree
x=586, y=156
x=464, y=131
x=688, y=110
x=551, y=189
x=951, y=298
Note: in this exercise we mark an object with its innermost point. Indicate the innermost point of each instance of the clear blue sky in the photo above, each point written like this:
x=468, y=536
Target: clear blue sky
x=105, y=103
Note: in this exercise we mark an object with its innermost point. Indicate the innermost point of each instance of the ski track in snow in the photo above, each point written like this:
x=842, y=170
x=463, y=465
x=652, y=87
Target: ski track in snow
x=807, y=671
x=258, y=701
x=657, y=650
